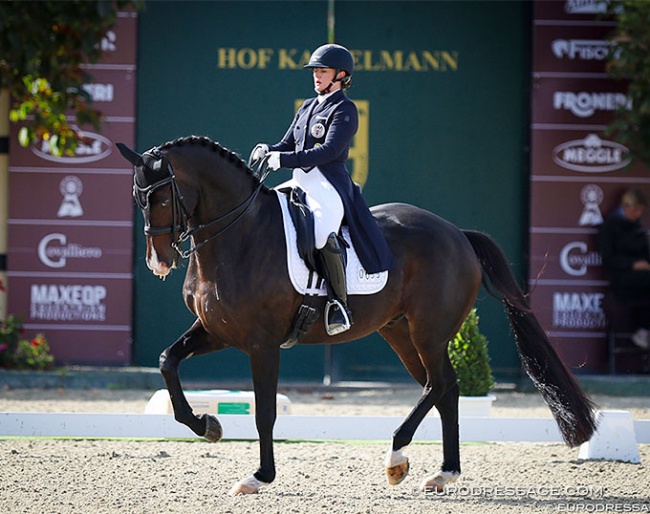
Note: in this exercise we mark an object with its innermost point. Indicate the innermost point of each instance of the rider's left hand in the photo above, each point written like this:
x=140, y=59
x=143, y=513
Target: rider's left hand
x=274, y=160
x=258, y=153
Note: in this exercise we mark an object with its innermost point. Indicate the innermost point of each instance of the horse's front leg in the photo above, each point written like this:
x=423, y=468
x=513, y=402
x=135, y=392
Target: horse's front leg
x=265, y=366
x=195, y=341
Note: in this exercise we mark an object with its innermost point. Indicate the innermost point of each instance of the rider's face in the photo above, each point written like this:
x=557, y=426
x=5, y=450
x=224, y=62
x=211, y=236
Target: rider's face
x=323, y=77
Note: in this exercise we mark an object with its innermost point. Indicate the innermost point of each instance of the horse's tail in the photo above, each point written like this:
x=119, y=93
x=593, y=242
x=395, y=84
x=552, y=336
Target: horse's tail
x=572, y=409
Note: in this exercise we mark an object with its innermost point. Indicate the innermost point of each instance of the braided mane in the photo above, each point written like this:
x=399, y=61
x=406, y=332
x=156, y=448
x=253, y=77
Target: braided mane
x=212, y=145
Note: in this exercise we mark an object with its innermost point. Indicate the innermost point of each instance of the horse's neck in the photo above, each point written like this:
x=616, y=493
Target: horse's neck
x=225, y=188
x=244, y=249
x=243, y=222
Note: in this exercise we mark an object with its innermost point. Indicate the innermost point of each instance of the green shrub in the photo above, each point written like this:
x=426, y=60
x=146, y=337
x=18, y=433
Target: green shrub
x=469, y=357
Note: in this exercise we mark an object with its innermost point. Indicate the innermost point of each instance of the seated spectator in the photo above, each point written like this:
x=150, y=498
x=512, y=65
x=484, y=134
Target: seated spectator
x=623, y=244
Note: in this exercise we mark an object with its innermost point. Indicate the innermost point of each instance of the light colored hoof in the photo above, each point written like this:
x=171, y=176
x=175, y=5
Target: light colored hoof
x=397, y=466
x=213, y=430
x=395, y=474
x=250, y=485
x=436, y=483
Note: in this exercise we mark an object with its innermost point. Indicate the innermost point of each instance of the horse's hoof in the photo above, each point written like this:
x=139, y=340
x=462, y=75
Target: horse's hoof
x=250, y=485
x=436, y=483
x=213, y=430
x=395, y=474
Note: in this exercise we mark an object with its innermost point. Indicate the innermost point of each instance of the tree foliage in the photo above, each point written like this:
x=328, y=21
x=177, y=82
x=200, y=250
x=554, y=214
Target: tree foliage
x=43, y=47
x=629, y=60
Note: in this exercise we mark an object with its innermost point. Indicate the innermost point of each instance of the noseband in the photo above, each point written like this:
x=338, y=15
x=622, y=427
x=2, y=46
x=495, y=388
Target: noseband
x=179, y=228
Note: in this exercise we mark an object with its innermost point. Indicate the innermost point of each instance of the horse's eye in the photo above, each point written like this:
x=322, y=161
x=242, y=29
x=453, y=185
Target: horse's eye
x=161, y=200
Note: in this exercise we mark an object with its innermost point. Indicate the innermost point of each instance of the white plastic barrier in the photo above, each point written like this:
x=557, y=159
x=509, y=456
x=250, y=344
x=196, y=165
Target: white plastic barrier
x=615, y=438
x=240, y=427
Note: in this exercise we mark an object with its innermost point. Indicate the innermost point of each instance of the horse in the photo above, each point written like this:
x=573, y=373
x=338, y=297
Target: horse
x=237, y=286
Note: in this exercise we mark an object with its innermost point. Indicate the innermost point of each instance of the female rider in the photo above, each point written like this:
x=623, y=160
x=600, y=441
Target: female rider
x=316, y=147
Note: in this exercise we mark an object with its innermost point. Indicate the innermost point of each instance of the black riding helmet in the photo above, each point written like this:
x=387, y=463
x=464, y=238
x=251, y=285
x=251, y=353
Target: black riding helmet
x=333, y=56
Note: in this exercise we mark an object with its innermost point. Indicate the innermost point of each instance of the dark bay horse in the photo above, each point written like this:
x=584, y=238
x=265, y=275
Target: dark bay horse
x=238, y=287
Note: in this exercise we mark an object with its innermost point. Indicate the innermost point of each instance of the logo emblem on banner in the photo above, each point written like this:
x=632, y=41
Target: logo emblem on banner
x=576, y=257
x=71, y=188
x=591, y=196
x=95, y=148
x=591, y=155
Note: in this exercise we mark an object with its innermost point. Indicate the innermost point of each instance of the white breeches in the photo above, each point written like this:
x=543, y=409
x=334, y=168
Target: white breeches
x=322, y=199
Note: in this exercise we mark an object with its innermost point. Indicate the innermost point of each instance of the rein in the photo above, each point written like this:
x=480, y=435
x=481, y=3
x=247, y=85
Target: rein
x=180, y=230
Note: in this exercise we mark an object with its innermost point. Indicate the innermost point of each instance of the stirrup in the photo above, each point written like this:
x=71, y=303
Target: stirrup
x=339, y=326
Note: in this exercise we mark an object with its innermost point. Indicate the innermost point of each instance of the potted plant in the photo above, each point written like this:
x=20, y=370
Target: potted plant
x=469, y=356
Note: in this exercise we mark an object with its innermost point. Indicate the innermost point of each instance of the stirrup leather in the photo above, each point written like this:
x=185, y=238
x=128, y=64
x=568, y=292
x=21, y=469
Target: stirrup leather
x=337, y=317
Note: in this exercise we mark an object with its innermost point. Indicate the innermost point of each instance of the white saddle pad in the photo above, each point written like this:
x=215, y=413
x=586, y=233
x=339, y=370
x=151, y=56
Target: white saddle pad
x=358, y=281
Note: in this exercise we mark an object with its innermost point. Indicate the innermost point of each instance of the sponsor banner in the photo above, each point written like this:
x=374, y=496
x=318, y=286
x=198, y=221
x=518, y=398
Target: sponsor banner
x=109, y=346
x=63, y=248
x=577, y=175
x=98, y=151
x=571, y=49
x=572, y=10
x=71, y=223
x=578, y=206
x=63, y=195
x=113, y=92
x=71, y=301
x=568, y=307
x=571, y=257
x=577, y=100
x=120, y=43
x=573, y=318
x=581, y=154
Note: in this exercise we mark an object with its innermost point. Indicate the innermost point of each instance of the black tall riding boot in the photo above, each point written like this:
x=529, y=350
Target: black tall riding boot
x=337, y=315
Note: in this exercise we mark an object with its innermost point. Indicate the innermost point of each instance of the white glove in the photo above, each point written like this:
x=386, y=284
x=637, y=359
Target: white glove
x=274, y=160
x=260, y=150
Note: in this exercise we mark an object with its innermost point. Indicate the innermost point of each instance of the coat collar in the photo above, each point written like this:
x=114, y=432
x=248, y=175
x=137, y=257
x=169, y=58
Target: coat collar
x=329, y=99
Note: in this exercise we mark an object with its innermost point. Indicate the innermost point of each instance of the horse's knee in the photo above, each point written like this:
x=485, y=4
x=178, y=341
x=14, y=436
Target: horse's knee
x=165, y=363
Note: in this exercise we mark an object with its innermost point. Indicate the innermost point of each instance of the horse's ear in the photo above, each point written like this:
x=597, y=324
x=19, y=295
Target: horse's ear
x=130, y=155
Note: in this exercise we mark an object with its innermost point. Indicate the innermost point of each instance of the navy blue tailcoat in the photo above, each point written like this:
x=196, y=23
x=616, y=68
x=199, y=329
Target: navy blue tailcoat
x=320, y=137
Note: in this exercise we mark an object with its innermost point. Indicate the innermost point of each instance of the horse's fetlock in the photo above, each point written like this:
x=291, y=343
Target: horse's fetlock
x=266, y=477
x=400, y=441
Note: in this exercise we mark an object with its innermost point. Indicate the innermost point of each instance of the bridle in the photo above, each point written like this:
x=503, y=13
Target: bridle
x=180, y=229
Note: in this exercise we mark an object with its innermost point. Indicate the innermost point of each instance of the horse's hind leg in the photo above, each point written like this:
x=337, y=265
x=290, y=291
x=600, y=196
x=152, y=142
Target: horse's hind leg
x=434, y=371
x=193, y=342
x=447, y=406
x=399, y=338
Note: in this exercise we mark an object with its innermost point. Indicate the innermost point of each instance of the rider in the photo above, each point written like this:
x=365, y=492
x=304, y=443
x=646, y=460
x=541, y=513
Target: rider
x=316, y=147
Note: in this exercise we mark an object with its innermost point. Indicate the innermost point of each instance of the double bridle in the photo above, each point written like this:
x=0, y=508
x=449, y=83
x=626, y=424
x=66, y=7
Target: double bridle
x=180, y=228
